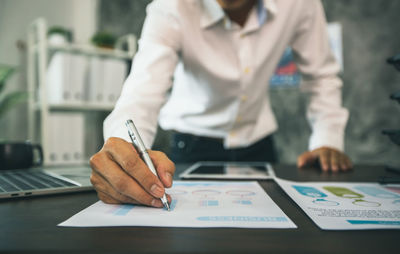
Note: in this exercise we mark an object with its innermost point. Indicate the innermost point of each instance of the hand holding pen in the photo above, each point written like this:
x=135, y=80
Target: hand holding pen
x=141, y=149
x=120, y=175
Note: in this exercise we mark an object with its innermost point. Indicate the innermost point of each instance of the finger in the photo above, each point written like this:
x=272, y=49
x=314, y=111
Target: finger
x=164, y=166
x=119, y=180
x=104, y=187
x=126, y=156
x=306, y=158
x=347, y=162
x=169, y=198
x=324, y=159
x=108, y=195
x=334, y=160
x=106, y=198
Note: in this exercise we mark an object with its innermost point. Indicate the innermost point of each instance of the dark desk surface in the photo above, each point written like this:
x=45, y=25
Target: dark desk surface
x=30, y=225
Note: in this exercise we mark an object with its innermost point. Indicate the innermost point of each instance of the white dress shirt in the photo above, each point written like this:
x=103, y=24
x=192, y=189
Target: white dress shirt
x=219, y=72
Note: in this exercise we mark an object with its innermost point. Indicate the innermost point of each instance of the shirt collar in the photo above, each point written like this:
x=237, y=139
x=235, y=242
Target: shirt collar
x=213, y=13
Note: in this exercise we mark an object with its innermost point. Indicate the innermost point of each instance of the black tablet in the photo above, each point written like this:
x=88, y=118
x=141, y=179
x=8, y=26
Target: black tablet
x=228, y=170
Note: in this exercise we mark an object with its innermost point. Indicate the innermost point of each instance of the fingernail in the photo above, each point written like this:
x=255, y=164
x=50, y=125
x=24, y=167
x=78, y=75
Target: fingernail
x=156, y=190
x=168, y=176
x=156, y=203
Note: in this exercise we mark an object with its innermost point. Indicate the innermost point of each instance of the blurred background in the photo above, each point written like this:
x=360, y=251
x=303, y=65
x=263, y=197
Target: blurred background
x=368, y=36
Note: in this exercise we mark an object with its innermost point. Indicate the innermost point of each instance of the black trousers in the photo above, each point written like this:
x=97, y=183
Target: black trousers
x=188, y=148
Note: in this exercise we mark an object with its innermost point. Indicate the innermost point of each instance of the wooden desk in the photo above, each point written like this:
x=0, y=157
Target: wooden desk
x=29, y=225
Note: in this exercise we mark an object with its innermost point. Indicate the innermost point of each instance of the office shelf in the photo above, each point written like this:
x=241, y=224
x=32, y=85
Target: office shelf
x=89, y=50
x=77, y=107
x=39, y=54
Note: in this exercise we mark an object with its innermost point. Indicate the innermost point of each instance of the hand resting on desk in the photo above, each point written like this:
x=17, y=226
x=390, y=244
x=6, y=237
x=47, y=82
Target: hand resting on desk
x=119, y=175
x=328, y=158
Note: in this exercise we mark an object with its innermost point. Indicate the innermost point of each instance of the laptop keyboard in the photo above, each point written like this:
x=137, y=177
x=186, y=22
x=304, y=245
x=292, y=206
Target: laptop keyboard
x=18, y=181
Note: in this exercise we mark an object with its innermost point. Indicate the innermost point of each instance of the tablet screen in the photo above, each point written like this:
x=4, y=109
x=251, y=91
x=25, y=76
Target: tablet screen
x=229, y=170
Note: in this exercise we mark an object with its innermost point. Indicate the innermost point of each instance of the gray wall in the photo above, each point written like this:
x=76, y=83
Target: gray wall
x=369, y=37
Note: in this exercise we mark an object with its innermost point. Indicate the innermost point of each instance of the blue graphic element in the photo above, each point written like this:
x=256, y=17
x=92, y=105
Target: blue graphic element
x=309, y=191
x=376, y=192
x=396, y=202
x=172, y=205
x=246, y=202
x=243, y=202
x=212, y=203
x=123, y=210
x=194, y=184
x=242, y=218
x=374, y=222
x=209, y=203
x=324, y=202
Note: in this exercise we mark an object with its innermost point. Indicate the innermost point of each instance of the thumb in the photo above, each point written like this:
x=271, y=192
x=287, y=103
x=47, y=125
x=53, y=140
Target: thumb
x=306, y=158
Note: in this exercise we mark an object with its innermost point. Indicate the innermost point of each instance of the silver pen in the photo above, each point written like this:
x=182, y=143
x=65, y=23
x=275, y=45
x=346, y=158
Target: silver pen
x=141, y=149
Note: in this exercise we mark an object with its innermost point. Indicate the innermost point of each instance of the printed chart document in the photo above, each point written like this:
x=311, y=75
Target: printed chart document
x=195, y=204
x=347, y=206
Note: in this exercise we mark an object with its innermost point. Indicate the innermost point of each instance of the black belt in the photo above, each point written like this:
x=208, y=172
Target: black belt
x=201, y=138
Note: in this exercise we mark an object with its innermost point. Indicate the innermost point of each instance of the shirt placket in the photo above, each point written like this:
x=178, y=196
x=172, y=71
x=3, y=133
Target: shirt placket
x=244, y=56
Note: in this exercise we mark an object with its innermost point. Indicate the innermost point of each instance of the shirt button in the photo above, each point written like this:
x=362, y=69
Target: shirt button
x=242, y=35
x=243, y=98
x=181, y=144
x=232, y=134
x=246, y=70
x=238, y=119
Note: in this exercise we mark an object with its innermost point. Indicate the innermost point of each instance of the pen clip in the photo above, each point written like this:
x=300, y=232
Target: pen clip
x=135, y=137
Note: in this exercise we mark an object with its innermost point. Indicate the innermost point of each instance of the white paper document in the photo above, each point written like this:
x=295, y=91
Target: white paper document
x=347, y=206
x=194, y=204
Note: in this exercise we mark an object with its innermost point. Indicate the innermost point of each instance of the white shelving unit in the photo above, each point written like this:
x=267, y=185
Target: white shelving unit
x=39, y=52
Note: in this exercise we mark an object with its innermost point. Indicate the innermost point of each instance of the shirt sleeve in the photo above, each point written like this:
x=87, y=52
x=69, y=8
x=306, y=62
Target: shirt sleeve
x=320, y=79
x=145, y=90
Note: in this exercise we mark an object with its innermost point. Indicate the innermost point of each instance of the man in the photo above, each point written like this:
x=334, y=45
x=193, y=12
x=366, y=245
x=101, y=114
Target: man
x=221, y=54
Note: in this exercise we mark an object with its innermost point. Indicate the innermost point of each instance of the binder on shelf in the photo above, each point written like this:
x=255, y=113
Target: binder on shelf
x=58, y=78
x=94, y=91
x=106, y=77
x=53, y=153
x=115, y=72
x=77, y=139
x=65, y=139
x=66, y=78
x=78, y=77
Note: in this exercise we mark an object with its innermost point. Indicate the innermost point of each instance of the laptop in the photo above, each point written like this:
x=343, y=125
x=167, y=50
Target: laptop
x=43, y=181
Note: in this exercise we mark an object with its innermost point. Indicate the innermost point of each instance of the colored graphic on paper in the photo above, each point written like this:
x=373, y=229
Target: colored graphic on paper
x=175, y=192
x=393, y=189
x=242, y=202
x=347, y=193
x=377, y=192
x=309, y=191
x=206, y=192
x=343, y=192
x=208, y=203
x=324, y=202
x=240, y=193
x=241, y=218
x=122, y=210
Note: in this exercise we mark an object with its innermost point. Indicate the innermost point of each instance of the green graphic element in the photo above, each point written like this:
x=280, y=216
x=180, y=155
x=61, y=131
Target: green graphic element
x=343, y=192
x=347, y=193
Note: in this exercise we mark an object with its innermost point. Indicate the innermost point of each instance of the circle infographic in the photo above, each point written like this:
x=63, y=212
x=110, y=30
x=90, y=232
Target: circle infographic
x=206, y=192
x=176, y=192
x=240, y=193
x=325, y=202
x=364, y=203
